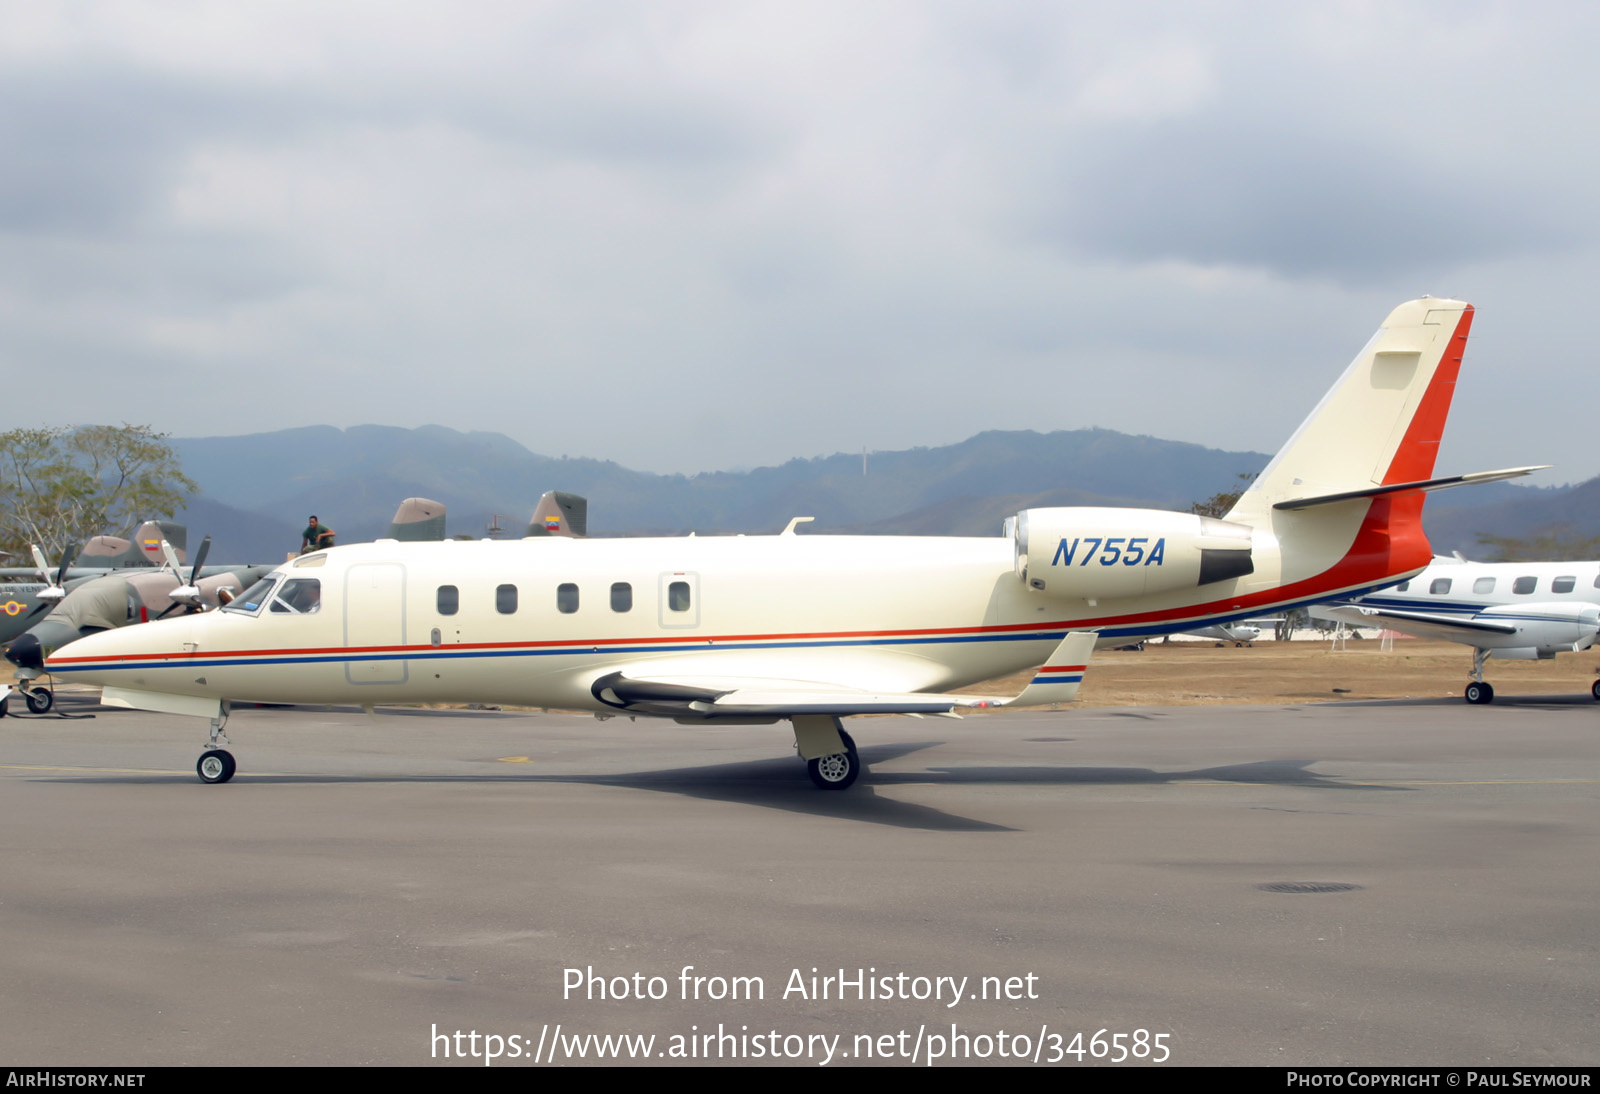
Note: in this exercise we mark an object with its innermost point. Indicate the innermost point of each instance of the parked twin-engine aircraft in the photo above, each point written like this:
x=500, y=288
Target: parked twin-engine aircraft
x=1517, y=611
x=133, y=591
x=759, y=629
x=25, y=603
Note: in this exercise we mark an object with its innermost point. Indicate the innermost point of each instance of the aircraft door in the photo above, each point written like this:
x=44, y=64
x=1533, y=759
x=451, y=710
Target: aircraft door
x=375, y=621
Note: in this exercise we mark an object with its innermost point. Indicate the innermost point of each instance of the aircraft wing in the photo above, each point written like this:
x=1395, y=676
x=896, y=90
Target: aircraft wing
x=662, y=690
x=1454, y=628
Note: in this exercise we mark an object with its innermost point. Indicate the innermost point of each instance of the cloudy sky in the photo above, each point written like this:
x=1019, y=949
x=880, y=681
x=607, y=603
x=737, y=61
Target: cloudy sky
x=690, y=236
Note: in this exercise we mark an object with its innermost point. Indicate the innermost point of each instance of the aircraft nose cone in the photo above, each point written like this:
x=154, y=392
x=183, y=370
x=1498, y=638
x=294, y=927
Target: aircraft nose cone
x=25, y=652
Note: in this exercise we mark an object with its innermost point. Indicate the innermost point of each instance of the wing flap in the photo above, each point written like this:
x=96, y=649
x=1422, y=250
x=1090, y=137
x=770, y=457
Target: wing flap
x=671, y=693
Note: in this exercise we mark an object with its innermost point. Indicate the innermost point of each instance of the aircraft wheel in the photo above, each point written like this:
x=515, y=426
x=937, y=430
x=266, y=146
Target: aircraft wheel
x=3, y=704
x=40, y=700
x=838, y=771
x=1479, y=693
x=215, y=766
x=1595, y=690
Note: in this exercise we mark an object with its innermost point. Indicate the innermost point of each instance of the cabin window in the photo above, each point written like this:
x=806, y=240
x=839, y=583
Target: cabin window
x=1402, y=587
x=1440, y=586
x=678, y=596
x=1483, y=585
x=505, y=599
x=566, y=598
x=1524, y=585
x=622, y=597
x=1563, y=584
x=449, y=600
x=301, y=596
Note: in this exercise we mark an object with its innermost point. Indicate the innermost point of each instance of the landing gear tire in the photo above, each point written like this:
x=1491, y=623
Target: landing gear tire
x=1595, y=689
x=215, y=766
x=1478, y=693
x=838, y=771
x=41, y=700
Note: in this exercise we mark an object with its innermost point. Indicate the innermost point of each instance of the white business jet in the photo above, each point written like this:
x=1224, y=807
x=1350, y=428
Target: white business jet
x=809, y=629
x=1517, y=611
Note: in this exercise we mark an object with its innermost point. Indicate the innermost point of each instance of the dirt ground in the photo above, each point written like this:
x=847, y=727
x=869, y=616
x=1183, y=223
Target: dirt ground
x=1200, y=673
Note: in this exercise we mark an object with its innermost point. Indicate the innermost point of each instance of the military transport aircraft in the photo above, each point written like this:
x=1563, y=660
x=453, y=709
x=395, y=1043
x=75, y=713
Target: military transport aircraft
x=24, y=603
x=1517, y=611
x=808, y=629
x=124, y=596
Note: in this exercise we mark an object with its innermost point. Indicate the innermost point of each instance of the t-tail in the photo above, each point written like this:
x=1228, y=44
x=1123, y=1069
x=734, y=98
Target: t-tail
x=1357, y=469
x=1337, y=511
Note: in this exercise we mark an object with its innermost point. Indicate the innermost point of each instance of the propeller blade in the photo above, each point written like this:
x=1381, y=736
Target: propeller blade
x=39, y=561
x=168, y=610
x=66, y=560
x=200, y=559
x=172, y=560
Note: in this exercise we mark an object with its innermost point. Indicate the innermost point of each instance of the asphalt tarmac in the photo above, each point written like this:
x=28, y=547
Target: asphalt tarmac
x=1408, y=882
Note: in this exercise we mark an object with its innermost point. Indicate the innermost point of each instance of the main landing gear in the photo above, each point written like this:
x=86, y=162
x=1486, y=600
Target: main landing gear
x=216, y=765
x=40, y=700
x=1479, y=691
x=829, y=770
x=838, y=771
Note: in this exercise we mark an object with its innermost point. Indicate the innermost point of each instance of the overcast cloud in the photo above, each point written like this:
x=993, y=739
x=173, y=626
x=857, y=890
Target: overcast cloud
x=692, y=236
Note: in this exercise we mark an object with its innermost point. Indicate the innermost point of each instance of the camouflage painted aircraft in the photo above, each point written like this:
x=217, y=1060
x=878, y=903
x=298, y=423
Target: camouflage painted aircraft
x=106, y=597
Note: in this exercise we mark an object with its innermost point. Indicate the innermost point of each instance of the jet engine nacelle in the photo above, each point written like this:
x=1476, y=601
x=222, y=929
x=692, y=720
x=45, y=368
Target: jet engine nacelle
x=1089, y=553
x=1544, y=630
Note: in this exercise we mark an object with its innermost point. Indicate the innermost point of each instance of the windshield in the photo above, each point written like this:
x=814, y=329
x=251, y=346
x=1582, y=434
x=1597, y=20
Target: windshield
x=250, y=601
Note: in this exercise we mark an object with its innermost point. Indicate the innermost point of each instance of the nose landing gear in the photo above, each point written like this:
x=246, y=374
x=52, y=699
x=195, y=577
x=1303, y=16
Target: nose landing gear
x=216, y=765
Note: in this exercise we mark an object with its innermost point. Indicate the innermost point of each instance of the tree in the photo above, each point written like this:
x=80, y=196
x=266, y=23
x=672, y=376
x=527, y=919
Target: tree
x=1218, y=505
x=60, y=485
x=1554, y=543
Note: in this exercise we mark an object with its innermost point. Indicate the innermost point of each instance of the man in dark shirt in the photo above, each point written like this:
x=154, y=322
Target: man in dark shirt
x=315, y=537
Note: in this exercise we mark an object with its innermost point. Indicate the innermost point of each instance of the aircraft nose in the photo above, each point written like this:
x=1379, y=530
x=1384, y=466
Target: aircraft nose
x=25, y=652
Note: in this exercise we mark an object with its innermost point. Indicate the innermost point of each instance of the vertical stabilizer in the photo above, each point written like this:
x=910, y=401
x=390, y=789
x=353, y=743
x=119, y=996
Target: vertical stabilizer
x=418, y=520
x=560, y=514
x=1381, y=423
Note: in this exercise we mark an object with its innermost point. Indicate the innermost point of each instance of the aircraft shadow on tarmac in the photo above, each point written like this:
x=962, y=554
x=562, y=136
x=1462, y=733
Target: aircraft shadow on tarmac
x=778, y=783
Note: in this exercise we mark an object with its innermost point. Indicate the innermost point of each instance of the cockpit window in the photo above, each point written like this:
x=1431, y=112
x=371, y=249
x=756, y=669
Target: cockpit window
x=300, y=596
x=251, y=601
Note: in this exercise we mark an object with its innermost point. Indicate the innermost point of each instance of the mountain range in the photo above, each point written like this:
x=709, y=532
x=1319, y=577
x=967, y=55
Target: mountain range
x=256, y=490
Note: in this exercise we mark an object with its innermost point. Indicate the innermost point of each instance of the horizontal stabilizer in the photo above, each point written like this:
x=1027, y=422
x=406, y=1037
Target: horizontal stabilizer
x=1423, y=487
x=1059, y=678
